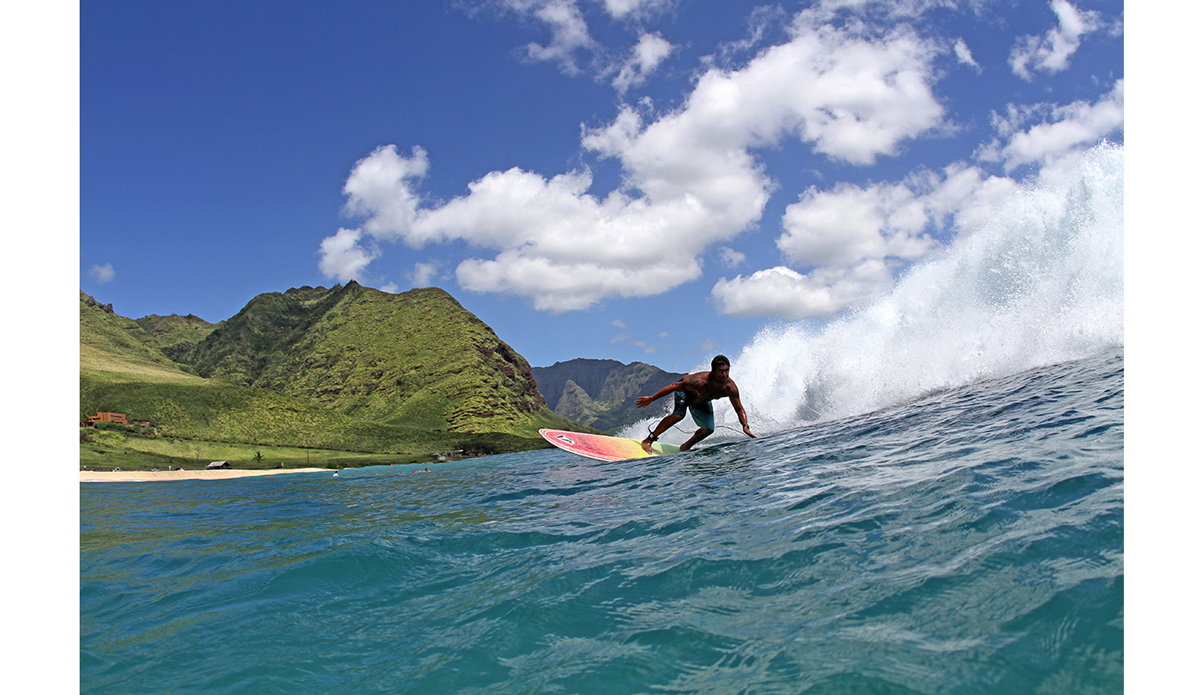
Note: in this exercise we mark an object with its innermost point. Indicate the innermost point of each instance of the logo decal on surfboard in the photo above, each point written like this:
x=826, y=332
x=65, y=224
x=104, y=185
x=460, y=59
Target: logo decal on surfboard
x=565, y=439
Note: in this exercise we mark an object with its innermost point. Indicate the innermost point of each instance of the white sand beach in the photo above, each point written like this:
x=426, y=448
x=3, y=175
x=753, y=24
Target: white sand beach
x=198, y=474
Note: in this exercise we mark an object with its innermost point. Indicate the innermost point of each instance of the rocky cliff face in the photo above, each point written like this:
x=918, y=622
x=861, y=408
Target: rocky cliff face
x=86, y=299
x=601, y=393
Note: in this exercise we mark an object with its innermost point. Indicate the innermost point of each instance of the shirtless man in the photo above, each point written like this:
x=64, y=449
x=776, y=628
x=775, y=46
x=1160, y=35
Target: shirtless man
x=697, y=392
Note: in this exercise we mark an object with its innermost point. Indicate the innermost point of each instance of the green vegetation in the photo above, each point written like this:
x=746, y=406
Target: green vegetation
x=115, y=345
x=176, y=335
x=600, y=393
x=107, y=449
x=416, y=358
x=350, y=370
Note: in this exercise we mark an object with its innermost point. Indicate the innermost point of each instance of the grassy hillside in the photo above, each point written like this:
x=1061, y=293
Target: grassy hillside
x=243, y=346
x=348, y=369
x=600, y=393
x=175, y=335
x=417, y=359
x=114, y=345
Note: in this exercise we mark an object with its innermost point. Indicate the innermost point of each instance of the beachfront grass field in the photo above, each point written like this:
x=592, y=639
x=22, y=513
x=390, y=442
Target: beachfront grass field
x=106, y=450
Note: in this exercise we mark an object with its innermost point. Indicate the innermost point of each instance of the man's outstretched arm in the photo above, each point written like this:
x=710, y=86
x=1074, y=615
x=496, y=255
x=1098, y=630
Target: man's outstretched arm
x=643, y=401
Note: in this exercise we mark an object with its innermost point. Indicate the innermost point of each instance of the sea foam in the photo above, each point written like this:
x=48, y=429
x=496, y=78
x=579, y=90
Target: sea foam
x=1039, y=282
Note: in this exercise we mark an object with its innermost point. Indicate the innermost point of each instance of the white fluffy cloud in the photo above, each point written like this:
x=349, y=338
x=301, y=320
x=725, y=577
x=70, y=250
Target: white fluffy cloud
x=651, y=50
x=102, y=273
x=571, y=36
x=785, y=293
x=621, y=9
x=1052, y=52
x=848, y=224
x=1064, y=129
x=691, y=179
x=343, y=258
x=963, y=53
x=423, y=274
x=731, y=258
x=854, y=237
x=568, y=31
x=852, y=95
x=380, y=189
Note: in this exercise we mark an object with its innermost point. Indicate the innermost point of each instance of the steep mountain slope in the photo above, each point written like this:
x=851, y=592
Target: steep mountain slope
x=118, y=347
x=240, y=348
x=350, y=368
x=175, y=335
x=416, y=357
x=600, y=393
x=121, y=370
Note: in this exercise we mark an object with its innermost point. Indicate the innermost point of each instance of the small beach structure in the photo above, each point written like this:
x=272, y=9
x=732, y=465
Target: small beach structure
x=117, y=418
x=218, y=464
x=114, y=418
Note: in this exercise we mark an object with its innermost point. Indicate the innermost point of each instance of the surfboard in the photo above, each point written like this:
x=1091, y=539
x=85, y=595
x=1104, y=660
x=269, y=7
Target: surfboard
x=603, y=448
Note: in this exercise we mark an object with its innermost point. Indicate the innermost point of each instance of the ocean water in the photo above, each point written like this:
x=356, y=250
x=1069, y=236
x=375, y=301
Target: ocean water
x=934, y=505
x=966, y=542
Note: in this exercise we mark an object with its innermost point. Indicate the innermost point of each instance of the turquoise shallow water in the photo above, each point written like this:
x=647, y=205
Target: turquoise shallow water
x=967, y=542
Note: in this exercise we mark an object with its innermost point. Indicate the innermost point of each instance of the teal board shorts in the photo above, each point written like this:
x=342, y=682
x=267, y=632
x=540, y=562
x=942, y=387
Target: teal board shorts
x=702, y=412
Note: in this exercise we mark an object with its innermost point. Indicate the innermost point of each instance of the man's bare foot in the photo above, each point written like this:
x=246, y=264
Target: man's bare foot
x=646, y=444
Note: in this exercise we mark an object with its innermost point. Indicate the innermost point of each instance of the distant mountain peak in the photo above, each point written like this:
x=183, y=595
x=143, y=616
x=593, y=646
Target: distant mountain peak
x=600, y=393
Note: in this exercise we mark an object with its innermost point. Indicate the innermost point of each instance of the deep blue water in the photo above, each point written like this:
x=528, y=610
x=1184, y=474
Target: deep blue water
x=969, y=541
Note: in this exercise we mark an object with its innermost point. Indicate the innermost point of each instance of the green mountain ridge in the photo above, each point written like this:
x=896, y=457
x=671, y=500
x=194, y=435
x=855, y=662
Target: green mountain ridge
x=112, y=344
x=176, y=335
x=600, y=393
x=348, y=368
x=416, y=357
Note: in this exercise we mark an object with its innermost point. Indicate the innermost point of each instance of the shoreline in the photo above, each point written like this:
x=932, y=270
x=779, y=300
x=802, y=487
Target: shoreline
x=198, y=474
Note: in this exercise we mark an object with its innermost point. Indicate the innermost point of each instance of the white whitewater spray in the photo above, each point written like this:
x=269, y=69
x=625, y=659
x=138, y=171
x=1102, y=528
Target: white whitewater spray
x=1042, y=282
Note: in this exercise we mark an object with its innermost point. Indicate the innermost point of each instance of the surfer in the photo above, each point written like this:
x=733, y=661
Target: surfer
x=697, y=392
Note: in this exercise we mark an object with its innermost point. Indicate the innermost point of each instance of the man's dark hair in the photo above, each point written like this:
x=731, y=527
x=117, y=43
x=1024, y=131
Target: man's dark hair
x=719, y=360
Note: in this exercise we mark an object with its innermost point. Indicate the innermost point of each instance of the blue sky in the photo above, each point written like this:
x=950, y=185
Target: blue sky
x=649, y=180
